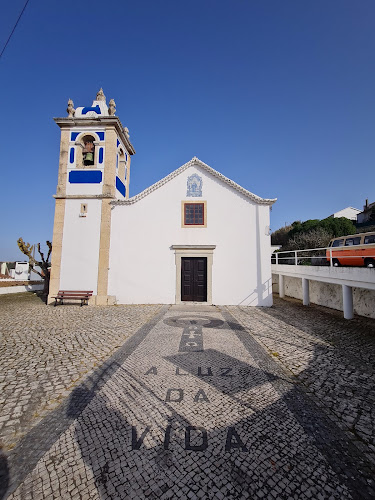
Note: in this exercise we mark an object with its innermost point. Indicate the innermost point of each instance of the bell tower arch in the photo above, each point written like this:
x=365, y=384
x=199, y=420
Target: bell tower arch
x=94, y=169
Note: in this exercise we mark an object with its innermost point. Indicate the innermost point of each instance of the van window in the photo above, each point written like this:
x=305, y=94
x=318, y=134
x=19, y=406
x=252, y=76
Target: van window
x=369, y=239
x=352, y=241
x=338, y=243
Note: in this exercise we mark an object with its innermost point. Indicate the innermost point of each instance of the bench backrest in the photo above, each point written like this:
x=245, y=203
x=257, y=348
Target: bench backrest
x=75, y=293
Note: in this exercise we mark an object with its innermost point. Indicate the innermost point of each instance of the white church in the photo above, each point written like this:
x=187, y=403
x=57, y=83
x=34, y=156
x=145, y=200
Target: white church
x=194, y=236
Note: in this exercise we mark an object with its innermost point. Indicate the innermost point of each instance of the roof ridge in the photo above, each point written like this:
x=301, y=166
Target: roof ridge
x=197, y=162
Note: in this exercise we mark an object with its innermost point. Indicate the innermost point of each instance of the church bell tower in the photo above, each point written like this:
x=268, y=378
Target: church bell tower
x=94, y=170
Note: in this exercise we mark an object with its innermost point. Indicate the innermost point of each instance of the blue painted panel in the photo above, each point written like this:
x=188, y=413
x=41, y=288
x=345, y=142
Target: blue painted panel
x=85, y=177
x=71, y=155
x=96, y=109
x=101, y=136
x=194, y=185
x=100, y=155
x=118, y=143
x=126, y=156
x=74, y=135
x=120, y=186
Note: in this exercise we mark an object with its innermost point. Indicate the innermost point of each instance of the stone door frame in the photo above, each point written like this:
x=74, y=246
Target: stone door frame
x=193, y=251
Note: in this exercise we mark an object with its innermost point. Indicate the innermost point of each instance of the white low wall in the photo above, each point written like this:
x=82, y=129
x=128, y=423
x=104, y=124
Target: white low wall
x=328, y=294
x=358, y=277
x=21, y=288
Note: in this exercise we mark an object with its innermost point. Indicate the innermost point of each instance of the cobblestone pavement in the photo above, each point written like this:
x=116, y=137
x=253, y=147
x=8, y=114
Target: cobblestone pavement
x=199, y=403
x=333, y=358
x=46, y=351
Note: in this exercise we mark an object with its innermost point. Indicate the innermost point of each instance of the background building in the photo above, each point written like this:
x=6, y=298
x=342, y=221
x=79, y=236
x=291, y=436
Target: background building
x=348, y=212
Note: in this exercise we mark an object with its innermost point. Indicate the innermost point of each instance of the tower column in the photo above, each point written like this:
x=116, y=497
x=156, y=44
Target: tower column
x=63, y=169
x=104, y=248
x=58, y=225
x=109, y=190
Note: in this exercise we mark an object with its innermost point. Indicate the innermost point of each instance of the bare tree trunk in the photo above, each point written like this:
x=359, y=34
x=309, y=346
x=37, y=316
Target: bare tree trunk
x=46, y=288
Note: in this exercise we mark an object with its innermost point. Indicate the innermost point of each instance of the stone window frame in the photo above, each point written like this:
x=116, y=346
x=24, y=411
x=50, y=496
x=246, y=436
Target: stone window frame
x=122, y=164
x=189, y=202
x=203, y=251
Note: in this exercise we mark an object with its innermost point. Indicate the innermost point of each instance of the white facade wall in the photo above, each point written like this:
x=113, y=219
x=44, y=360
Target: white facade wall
x=89, y=189
x=142, y=262
x=80, y=247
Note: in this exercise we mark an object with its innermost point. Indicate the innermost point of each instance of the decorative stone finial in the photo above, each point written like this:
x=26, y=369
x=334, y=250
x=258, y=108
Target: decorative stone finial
x=126, y=131
x=100, y=95
x=70, y=109
x=112, y=108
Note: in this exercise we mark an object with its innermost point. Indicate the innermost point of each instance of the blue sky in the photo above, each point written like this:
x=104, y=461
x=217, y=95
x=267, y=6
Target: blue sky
x=278, y=95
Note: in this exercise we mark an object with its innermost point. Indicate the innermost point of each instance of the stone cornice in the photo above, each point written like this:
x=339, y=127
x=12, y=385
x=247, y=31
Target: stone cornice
x=83, y=196
x=115, y=121
x=192, y=247
x=198, y=163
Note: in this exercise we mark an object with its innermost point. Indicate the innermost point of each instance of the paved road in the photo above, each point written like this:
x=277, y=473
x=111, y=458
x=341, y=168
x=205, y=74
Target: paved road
x=204, y=403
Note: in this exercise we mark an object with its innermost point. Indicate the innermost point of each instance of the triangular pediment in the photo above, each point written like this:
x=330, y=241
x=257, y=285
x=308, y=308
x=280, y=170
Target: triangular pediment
x=196, y=162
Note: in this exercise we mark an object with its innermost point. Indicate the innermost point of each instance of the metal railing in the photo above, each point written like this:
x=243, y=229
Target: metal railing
x=316, y=257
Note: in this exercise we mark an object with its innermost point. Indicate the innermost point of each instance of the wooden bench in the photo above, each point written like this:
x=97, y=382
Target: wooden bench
x=82, y=295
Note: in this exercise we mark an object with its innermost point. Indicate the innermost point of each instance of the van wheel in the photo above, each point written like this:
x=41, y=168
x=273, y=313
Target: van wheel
x=370, y=263
x=335, y=263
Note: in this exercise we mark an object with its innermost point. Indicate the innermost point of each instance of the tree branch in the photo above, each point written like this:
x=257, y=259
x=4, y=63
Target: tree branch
x=37, y=272
x=49, y=244
x=41, y=254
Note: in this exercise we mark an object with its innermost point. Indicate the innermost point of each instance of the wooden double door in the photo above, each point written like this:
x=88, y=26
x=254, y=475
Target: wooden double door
x=194, y=279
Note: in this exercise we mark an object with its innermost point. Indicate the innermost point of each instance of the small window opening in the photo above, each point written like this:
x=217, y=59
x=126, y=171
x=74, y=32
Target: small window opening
x=194, y=214
x=83, y=211
x=121, y=164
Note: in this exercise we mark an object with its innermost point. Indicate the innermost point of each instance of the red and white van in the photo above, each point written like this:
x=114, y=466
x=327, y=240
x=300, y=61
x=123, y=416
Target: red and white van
x=353, y=250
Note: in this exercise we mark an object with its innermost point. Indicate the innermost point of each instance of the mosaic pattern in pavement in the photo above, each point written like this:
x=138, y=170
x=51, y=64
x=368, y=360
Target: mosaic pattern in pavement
x=192, y=406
